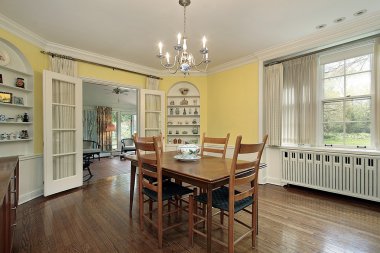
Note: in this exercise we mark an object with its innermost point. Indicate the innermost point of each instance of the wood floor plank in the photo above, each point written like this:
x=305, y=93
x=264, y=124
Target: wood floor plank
x=95, y=218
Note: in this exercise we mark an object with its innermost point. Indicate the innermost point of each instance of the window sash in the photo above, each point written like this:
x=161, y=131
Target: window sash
x=346, y=98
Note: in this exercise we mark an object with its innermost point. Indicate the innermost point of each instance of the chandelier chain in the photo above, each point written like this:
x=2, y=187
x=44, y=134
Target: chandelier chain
x=184, y=22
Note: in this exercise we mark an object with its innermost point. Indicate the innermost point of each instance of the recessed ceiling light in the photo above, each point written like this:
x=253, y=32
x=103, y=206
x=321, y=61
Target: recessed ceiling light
x=320, y=26
x=361, y=12
x=338, y=20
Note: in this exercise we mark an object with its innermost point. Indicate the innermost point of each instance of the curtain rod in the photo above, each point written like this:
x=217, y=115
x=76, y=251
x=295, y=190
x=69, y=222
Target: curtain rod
x=315, y=51
x=98, y=64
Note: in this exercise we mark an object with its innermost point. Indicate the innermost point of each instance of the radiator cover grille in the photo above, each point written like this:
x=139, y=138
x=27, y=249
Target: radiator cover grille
x=348, y=174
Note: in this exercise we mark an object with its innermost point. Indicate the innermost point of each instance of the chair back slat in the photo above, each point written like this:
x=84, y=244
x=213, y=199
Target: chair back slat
x=213, y=140
x=213, y=150
x=150, y=186
x=250, y=148
x=246, y=165
x=244, y=194
x=251, y=179
x=245, y=180
x=149, y=173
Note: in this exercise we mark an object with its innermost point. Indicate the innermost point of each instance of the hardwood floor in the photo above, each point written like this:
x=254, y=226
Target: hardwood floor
x=95, y=219
x=108, y=167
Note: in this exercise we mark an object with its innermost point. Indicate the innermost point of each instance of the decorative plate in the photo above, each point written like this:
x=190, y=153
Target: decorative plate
x=186, y=159
x=4, y=58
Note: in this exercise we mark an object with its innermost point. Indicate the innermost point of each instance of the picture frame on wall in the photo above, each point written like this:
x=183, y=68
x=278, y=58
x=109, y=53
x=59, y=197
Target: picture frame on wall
x=5, y=97
x=18, y=100
x=1, y=78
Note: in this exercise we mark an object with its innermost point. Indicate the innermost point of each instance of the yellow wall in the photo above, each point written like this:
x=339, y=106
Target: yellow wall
x=39, y=62
x=229, y=99
x=201, y=83
x=233, y=103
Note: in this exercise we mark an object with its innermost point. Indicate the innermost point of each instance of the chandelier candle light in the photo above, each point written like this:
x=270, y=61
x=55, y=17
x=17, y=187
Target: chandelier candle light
x=184, y=60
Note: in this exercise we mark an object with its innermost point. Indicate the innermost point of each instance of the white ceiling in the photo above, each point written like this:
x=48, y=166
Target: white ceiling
x=102, y=95
x=130, y=30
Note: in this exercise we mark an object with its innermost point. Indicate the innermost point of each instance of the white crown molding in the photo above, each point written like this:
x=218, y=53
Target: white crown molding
x=22, y=32
x=351, y=30
x=233, y=64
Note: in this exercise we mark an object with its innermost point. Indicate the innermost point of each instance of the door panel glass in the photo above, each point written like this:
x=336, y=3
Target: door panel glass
x=152, y=102
x=63, y=142
x=63, y=117
x=63, y=92
x=64, y=166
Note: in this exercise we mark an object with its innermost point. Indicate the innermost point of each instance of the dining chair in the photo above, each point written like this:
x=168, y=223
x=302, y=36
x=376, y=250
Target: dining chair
x=221, y=148
x=157, y=190
x=213, y=140
x=231, y=200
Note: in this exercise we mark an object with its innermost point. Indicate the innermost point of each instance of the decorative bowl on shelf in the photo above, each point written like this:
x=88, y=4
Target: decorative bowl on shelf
x=188, y=151
x=184, y=91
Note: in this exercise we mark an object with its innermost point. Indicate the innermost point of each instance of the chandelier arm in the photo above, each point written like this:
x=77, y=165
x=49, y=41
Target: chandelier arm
x=201, y=70
x=168, y=66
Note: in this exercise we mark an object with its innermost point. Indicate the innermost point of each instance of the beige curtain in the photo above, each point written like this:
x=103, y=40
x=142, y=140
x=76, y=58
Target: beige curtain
x=153, y=104
x=299, y=101
x=63, y=98
x=273, y=82
x=104, y=118
x=377, y=93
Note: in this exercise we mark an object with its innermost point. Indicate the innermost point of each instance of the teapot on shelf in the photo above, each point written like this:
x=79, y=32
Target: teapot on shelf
x=195, y=130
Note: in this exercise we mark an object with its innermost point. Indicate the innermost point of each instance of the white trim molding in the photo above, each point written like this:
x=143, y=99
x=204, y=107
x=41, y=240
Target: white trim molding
x=22, y=32
x=233, y=64
x=357, y=28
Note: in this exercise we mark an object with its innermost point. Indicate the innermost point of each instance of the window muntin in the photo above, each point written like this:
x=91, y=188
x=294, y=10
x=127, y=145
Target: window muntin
x=346, y=102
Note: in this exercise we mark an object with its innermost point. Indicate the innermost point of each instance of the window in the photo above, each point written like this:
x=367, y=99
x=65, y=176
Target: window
x=126, y=124
x=347, y=99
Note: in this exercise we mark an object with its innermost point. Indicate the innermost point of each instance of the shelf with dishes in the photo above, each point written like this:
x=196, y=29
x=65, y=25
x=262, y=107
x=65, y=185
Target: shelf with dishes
x=183, y=114
x=6, y=86
x=15, y=123
x=16, y=103
x=15, y=140
x=182, y=125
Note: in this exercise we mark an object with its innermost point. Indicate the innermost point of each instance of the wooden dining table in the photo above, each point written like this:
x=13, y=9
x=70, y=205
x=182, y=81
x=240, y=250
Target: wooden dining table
x=208, y=173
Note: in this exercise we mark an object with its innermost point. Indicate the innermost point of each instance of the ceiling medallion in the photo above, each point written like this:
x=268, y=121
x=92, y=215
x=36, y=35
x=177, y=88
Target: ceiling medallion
x=184, y=60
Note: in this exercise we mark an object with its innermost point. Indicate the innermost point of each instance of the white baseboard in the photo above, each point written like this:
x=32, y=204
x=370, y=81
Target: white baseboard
x=275, y=181
x=30, y=195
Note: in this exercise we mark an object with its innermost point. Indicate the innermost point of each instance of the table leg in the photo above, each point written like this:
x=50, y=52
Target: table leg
x=209, y=217
x=132, y=188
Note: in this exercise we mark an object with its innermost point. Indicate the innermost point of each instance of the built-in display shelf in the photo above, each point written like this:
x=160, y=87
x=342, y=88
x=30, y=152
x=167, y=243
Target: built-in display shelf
x=16, y=123
x=16, y=140
x=183, y=134
x=16, y=71
x=191, y=115
x=22, y=106
x=14, y=88
x=183, y=105
x=184, y=125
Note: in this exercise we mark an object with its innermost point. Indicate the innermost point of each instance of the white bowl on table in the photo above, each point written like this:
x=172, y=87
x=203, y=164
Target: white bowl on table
x=188, y=152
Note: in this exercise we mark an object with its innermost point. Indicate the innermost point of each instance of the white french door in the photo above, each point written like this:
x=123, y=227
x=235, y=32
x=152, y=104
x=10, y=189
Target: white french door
x=63, y=144
x=152, y=112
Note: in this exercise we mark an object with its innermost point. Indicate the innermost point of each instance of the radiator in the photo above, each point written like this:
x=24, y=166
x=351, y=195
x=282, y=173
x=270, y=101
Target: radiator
x=356, y=175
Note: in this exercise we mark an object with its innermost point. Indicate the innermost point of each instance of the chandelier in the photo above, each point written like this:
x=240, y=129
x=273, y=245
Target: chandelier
x=184, y=60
